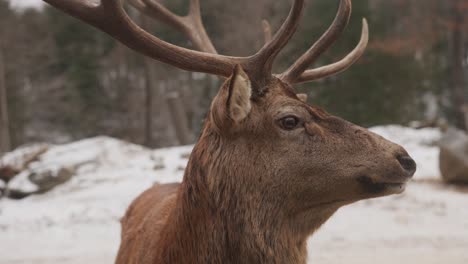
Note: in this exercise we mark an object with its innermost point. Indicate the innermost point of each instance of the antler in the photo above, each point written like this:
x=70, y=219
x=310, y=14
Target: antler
x=110, y=17
x=298, y=72
x=191, y=24
x=267, y=35
x=340, y=66
x=265, y=58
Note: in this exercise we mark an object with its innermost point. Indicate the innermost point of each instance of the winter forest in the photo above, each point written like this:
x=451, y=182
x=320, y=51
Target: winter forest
x=64, y=81
x=87, y=124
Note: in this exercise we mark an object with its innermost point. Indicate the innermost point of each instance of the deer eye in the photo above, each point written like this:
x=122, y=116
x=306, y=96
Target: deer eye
x=289, y=122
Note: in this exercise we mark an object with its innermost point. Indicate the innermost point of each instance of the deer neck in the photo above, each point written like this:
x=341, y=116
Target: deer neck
x=232, y=232
x=222, y=222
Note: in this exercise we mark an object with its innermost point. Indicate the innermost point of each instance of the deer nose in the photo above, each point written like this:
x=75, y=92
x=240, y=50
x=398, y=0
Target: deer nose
x=408, y=164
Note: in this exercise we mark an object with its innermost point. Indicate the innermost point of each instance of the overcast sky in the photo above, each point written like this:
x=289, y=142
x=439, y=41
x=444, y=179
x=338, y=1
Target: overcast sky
x=25, y=3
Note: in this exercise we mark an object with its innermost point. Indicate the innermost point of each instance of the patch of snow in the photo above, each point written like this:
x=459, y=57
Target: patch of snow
x=22, y=4
x=78, y=221
x=17, y=157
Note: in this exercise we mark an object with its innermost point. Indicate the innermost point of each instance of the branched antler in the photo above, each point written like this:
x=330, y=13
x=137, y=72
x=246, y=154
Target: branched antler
x=298, y=72
x=265, y=58
x=340, y=66
x=110, y=17
x=191, y=25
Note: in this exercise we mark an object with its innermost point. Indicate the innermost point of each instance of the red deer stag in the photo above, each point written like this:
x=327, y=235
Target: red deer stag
x=268, y=169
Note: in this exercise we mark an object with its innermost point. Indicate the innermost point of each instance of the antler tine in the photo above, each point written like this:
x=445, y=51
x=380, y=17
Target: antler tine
x=190, y=25
x=156, y=10
x=265, y=58
x=110, y=17
x=87, y=10
x=194, y=8
x=195, y=15
x=341, y=65
x=266, y=30
x=327, y=39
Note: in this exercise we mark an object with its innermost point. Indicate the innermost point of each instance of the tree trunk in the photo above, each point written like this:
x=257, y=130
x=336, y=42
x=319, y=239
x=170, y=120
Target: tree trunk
x=457, y=68
x=5, y=143
x=179, y=118
x=149, y=86
x=149, y=94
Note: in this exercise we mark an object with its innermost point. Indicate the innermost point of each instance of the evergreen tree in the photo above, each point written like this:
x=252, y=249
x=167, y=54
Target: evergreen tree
x=80, y=50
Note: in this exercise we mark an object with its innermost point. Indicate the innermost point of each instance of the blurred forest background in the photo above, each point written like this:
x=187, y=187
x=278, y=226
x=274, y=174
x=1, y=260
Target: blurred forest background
x=61, y=80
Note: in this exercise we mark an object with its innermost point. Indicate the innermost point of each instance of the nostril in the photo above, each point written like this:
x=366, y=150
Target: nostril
x=408, y=164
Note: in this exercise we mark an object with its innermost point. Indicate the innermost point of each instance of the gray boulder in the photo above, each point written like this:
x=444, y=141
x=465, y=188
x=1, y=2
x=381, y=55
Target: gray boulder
x=47, y=180
x=454, y=156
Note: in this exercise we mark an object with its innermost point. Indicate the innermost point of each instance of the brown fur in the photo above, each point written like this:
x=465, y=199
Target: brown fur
x=252, y=192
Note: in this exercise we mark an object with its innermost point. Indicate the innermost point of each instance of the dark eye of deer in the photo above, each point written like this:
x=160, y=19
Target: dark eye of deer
x=289, y=122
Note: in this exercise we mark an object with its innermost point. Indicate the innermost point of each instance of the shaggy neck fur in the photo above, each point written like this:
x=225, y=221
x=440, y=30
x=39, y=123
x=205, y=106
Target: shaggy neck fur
x=217, y=219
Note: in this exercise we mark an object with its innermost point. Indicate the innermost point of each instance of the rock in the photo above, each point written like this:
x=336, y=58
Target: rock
x=47, y=180
x=7, y=173
x=12, y=163
x=36, y=181
x=454, y=156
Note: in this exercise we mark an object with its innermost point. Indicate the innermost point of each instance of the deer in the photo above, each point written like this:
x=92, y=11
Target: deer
x=269, y=169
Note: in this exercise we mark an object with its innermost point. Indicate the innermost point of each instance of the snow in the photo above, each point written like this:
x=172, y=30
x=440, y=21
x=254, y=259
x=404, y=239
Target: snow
x=78, y=221
x=21, y=4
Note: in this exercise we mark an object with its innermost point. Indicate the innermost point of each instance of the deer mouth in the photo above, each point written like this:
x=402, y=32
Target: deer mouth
x=381, y=187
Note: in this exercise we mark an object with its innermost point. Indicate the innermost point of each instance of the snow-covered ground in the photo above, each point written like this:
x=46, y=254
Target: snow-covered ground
x=78, y=222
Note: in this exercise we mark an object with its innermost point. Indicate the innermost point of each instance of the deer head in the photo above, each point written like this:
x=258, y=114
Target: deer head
x=281, y=152
x=265, y=158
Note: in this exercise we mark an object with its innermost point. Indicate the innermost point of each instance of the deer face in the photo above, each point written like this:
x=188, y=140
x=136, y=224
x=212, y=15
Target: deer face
x=300, y=154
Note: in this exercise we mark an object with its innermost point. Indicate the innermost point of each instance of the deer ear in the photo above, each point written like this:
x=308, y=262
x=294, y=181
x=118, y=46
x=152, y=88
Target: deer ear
x=240, y=92
x=232, y=104
x=303, y=97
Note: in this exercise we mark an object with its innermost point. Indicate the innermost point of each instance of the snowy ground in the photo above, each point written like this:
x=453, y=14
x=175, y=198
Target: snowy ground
x=78, y=222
